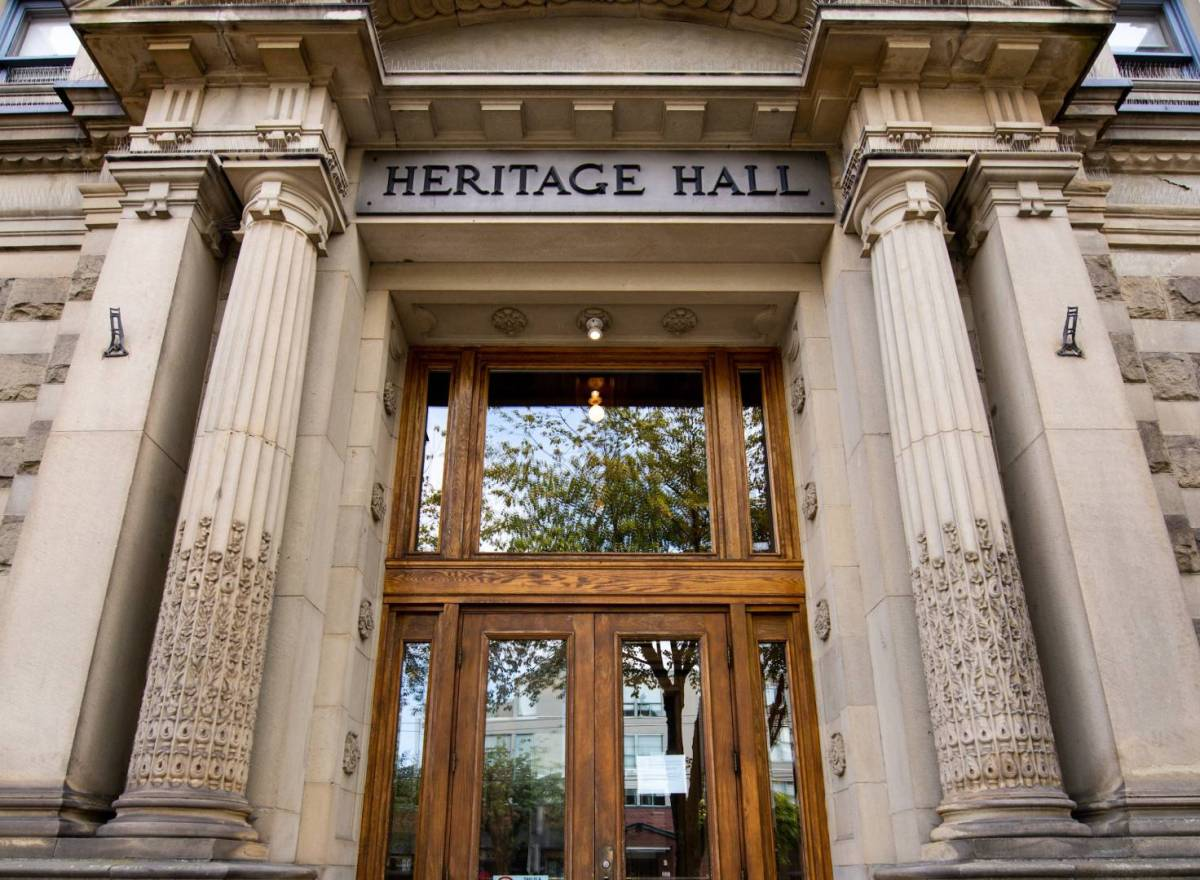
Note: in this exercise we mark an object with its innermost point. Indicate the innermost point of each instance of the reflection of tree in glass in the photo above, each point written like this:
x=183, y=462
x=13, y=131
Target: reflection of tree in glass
x=789, y=858
x=406, y=773
x=756, y=467
x=513, y=794
x=673, y=668
x=524, y=793
x=430, y=512
x=637, y=481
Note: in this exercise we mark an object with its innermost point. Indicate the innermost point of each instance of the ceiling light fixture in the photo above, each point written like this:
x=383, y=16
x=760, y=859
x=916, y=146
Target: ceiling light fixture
x=594, y=322
x=595, y=407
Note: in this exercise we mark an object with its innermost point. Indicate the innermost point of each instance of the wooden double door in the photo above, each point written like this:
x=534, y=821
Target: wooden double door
x=594, y=745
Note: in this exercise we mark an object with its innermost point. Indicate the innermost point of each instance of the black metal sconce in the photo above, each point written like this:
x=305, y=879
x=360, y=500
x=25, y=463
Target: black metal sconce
x=116, y=345
x=1069, y=347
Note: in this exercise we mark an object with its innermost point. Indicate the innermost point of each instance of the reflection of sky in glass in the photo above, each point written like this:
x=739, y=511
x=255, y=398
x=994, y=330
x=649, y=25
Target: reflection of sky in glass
x=433, y=462
x=757, y=473
x=557, y=482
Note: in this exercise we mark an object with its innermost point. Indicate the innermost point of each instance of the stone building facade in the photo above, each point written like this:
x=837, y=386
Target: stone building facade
x=241, y=246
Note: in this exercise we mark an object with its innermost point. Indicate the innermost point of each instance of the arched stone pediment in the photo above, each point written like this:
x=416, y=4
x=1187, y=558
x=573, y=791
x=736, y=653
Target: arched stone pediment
x=574, y=44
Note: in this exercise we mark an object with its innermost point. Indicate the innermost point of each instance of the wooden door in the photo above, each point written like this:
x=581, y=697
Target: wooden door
x=594, y=746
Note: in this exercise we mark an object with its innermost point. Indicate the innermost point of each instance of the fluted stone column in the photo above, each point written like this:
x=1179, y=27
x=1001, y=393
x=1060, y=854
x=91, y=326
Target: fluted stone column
x=996, y=755
x=187, y=775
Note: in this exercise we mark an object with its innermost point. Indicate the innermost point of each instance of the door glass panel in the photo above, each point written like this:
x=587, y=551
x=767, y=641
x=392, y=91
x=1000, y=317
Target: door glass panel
x=410, y=752
x=523, y=820
x=594, y=462
x=666, y=829
x=785, y=803
x=433, y=462
x=754, y=426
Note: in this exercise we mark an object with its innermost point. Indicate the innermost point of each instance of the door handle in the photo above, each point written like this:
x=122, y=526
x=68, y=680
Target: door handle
x=605, y=863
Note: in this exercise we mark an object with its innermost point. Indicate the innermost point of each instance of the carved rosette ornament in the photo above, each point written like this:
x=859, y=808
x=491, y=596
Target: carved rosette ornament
x=378, y=502
x=366, y=619
x=510, y=321
x=799, y=394
x=191, y=752
x=822, y=623
x=996, y=755
x=808, y=503
x=390, y=398
x=680, y=322
x=836, y=754
x=351, y=754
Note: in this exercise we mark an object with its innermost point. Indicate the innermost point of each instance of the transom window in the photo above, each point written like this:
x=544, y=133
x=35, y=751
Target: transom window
x=581, y=455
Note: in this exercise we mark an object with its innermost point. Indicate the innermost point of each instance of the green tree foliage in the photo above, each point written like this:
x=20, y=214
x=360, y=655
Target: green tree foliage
x=636, y=482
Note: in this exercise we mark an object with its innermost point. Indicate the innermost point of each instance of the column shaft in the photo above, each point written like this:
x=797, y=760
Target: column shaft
x=187, y=776
x=997, y=761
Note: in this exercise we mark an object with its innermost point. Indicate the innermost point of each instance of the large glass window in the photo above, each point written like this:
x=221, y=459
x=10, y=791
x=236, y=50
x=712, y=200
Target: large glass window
x=595, y=462
x=45, y=36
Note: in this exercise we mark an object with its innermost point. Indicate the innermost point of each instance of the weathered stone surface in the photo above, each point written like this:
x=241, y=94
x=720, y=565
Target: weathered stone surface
x=33, y=446
x=1172, y=376
x=20, y=375
x=10, y=458
x=1145, y=296
x=1184, y=451
x=87, y=272
x=35, y=299
x=1128, y=358
x=60, y=358
x=1156, y=450
x=10, y=531
x=1184, y=295
x=1183, y=542
x=1103, y=276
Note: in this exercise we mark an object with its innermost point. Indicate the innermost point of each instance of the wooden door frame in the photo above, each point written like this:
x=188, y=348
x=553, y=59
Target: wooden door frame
x=458, y=580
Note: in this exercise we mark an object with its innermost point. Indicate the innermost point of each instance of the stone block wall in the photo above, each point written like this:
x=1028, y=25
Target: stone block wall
x=1151, y=301
x=41, y=314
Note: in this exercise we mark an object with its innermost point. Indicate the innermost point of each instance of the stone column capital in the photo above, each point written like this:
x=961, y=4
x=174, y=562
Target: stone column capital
x=298, y=193
x=892, y=191
x=1018, y=185
x=900, y=198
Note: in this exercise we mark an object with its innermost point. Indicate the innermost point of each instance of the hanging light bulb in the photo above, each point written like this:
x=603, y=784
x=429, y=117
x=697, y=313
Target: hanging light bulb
x=595, y=329
x=595, y=409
